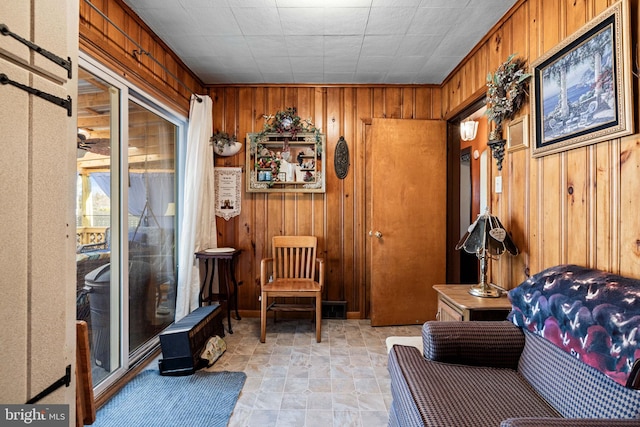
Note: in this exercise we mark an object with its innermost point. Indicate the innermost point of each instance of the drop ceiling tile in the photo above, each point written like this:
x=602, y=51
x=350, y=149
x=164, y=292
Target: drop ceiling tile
x=144, y=4
x=381, y=45
x=446, y=3
x=418, y=45
x=267, y=46
x=434, y=20
x=254, y=3
x=345, y=21
x=302, y=21
x=400, y=78
x=225, y=46
x=306, y=64
x=440, y=66
x=257, y=20
x=305, y=45
x=308, y=77
x=453, y=45
x=201, y=4
x=339, y=77
x=277, y=77
x=217, y=38
x=374, y=63
x=168, y=21
x=389, y=20
x=395, y=3
x=187, y=45
x=482, y=18
x=231, y=63
x=343, y=45
x=408, y=64
x=499, y=5
x=325, y=3
x=220, y=21
x=273, y=65
x=369, y=76
x=341, y=64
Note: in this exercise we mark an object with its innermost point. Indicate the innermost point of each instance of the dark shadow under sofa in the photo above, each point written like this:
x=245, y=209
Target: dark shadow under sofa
x=566, y=357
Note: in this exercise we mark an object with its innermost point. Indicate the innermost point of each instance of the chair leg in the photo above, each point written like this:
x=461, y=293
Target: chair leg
x=263, y=316
x=318, y=316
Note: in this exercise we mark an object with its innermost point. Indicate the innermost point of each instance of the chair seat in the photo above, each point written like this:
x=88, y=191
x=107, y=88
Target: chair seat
x=292, y=285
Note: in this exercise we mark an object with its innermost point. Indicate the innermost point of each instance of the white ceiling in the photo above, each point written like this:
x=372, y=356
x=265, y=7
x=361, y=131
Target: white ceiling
x=321, y=41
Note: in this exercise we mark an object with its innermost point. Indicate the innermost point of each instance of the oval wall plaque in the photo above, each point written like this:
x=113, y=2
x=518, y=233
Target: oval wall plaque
x=341, y=158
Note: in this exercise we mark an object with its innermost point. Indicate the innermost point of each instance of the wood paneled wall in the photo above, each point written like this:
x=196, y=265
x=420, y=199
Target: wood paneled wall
x=579, y=206
x=336, y=217
x=104, y=42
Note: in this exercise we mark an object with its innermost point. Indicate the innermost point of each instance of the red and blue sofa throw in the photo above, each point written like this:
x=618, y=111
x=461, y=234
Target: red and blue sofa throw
x=591, y=314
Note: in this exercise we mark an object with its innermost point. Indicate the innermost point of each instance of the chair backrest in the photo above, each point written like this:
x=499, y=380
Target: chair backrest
x=294, y=257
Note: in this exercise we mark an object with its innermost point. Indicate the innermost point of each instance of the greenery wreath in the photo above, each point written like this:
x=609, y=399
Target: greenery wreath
x=506, y=90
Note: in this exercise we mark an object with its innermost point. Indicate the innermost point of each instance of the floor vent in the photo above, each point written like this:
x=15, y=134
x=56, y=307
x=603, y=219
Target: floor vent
x=334, y=309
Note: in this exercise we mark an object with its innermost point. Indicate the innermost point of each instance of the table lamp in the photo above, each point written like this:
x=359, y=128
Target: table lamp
x=486, y=238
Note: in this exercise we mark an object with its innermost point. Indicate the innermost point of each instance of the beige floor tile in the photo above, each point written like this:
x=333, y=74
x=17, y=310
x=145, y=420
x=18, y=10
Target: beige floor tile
x=294, y=381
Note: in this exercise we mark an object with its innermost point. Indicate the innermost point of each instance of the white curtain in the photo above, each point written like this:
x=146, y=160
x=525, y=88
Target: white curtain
x=198, y=231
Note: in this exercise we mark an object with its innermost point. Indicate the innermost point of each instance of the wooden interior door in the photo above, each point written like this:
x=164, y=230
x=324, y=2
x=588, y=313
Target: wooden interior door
x=407, y=218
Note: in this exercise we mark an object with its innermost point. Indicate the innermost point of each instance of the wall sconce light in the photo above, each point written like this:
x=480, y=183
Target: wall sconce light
x=468, y=130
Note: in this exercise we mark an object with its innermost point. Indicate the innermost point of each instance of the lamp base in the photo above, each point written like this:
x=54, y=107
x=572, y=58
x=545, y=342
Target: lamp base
x=485, y=291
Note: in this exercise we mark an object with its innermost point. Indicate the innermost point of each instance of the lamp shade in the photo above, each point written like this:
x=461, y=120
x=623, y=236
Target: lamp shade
x=171, y=209
x=468, y=130
x=487, y=232
x=486, y=238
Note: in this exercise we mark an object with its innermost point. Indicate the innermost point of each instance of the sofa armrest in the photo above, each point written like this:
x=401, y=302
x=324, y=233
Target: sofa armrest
x=568, y=422
x=496, y=344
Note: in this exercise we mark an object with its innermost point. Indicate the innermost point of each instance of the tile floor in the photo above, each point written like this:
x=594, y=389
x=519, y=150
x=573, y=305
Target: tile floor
x=294, y=381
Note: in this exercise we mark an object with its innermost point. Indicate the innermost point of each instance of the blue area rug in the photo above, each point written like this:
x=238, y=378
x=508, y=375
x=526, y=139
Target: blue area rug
x=149, y=399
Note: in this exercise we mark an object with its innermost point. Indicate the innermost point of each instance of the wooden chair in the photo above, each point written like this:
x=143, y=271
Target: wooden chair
x=292, y=274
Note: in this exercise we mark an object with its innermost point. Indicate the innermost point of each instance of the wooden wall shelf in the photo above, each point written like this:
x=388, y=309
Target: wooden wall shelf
x=282, y=163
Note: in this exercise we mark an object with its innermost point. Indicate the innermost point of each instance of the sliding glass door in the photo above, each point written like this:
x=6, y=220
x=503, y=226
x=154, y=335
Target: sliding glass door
x=151, y=222
x=126, y=221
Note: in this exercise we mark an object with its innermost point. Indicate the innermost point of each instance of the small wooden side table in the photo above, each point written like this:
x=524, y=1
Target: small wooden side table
x=226, y=267
x=455, y=303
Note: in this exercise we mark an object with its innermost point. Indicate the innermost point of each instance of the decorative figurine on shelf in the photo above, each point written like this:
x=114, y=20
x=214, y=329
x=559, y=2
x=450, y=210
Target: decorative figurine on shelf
x=289, y=124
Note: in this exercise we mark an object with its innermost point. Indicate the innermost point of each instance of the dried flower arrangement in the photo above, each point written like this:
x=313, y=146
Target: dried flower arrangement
x=506, y=91
x=287, y=123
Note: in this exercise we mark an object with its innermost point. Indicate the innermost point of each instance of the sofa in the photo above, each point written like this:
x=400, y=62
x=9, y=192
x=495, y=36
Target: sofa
x=567, y=355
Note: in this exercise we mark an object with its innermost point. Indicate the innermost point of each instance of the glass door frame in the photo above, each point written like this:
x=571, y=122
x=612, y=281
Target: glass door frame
x=119, y=200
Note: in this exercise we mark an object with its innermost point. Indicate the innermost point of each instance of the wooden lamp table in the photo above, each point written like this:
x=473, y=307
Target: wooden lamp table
x=455, y=303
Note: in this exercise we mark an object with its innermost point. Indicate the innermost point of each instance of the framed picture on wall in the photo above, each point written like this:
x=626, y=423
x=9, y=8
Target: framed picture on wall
x=518, y=133
x=582, y=89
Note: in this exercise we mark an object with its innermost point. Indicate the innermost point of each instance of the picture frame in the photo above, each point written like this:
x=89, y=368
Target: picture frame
x=228, y=194
x=582, y=88
x=518, y=133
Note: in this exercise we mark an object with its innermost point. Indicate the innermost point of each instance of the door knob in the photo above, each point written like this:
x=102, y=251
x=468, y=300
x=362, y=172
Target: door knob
x=377, y=234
